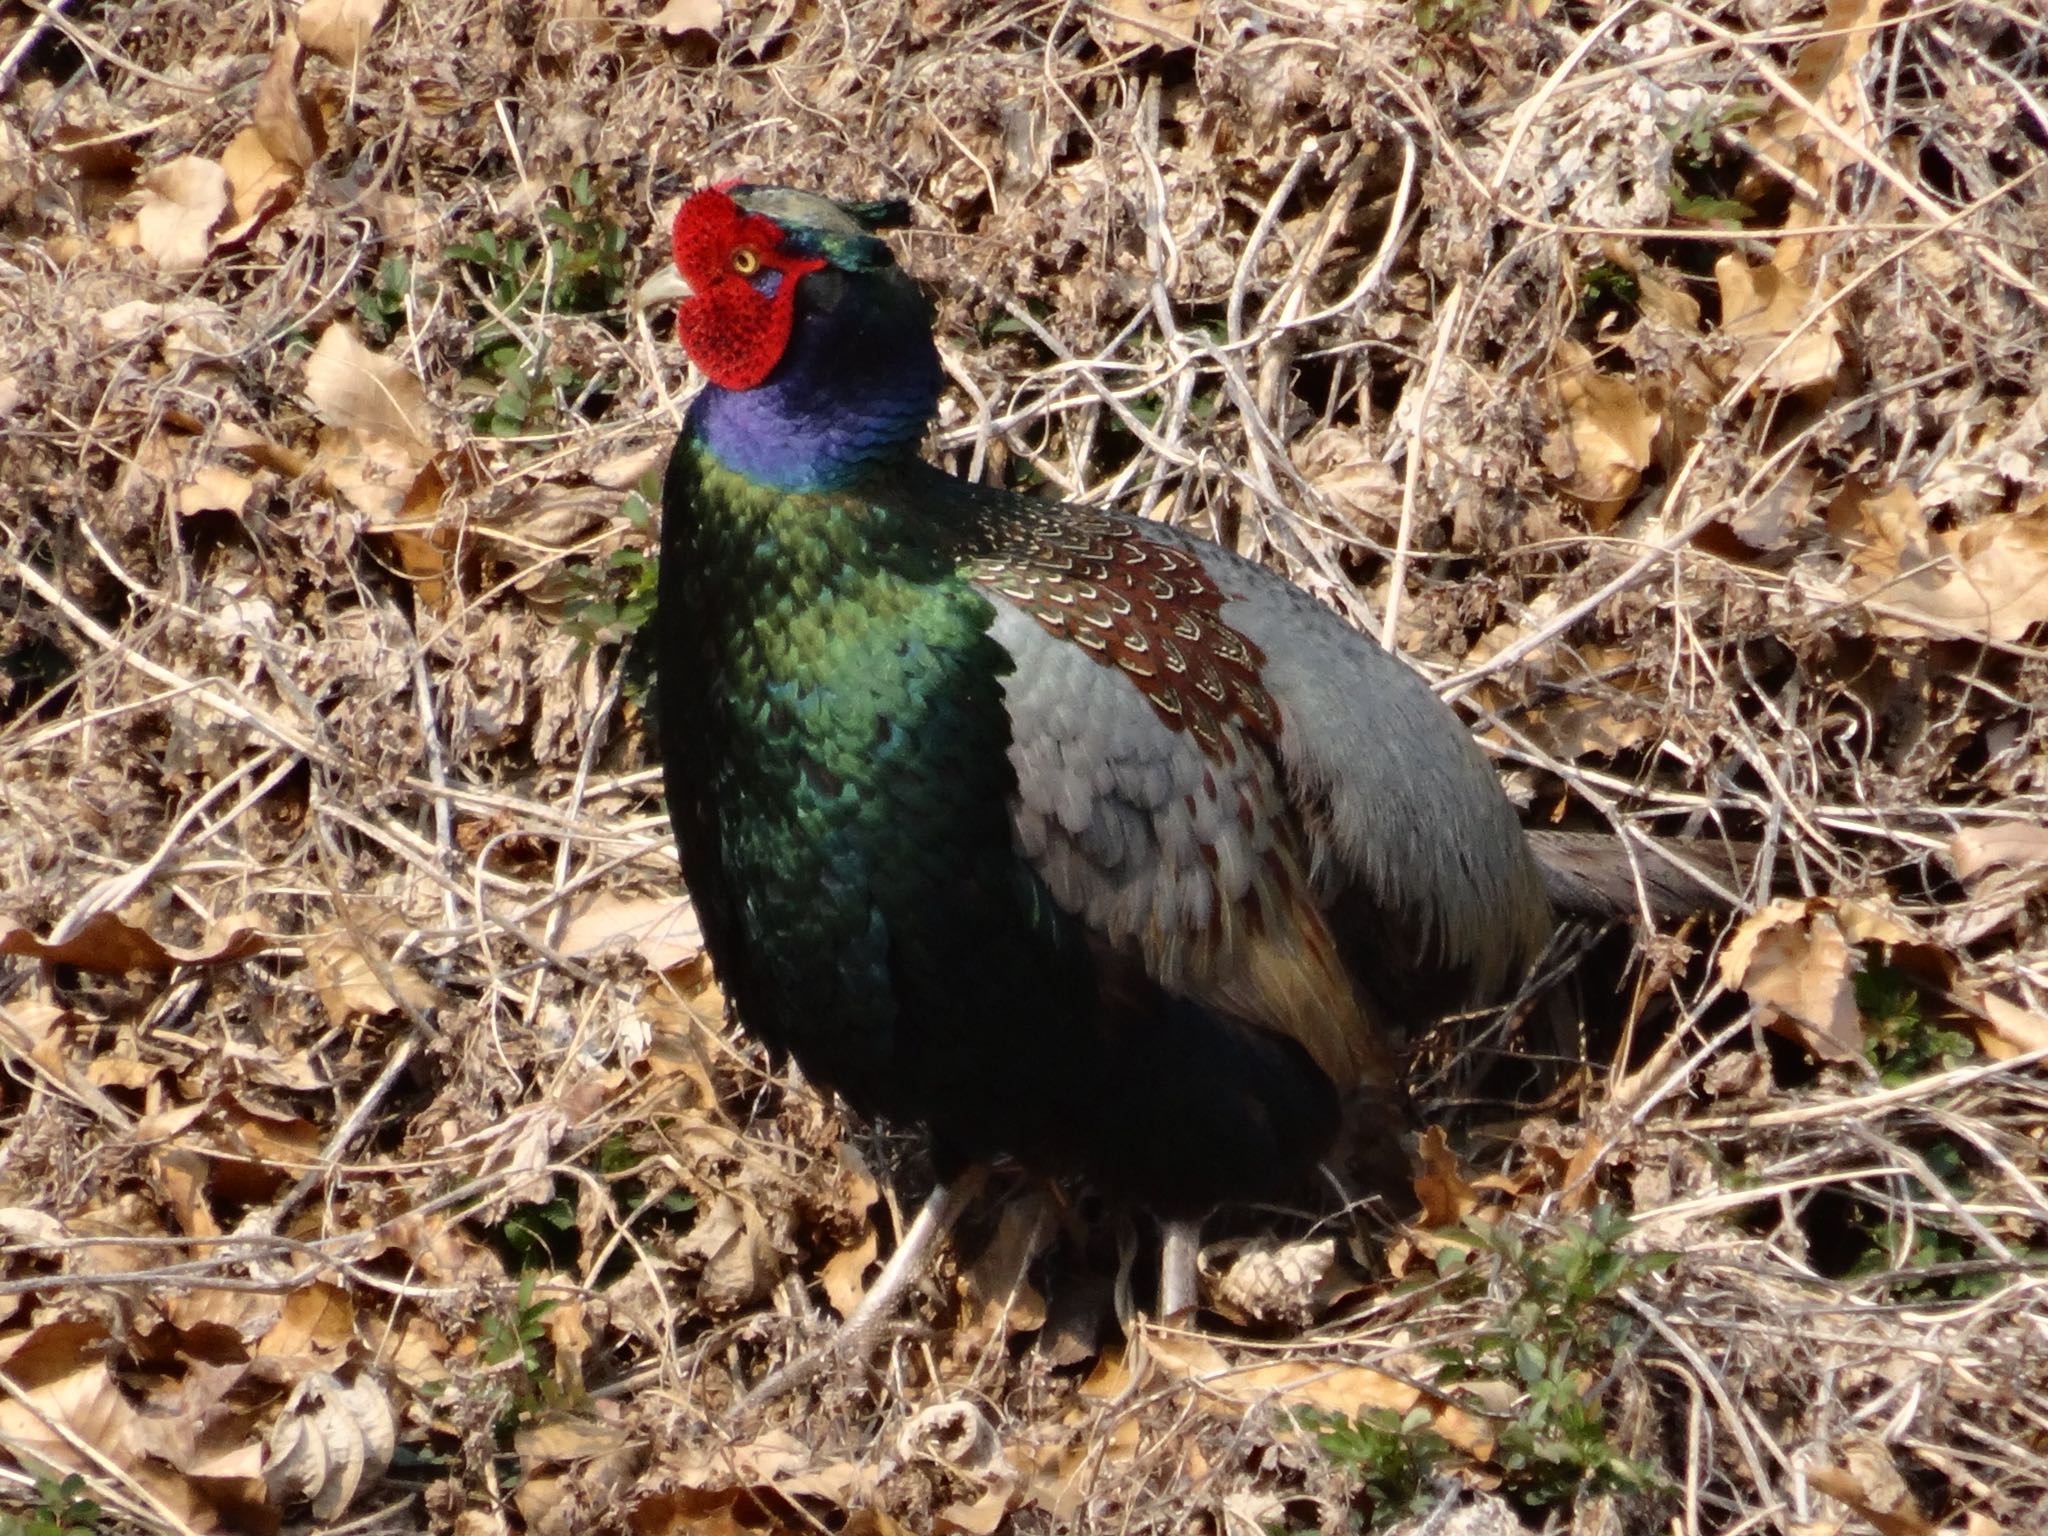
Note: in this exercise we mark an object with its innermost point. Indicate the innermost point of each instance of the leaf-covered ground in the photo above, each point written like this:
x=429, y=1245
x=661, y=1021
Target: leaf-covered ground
x=1667, y=380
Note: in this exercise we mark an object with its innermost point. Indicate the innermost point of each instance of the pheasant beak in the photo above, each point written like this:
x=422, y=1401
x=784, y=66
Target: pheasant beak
x=665, y=287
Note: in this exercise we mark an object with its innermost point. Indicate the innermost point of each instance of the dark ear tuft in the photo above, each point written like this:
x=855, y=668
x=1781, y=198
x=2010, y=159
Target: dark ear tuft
x=884, y=213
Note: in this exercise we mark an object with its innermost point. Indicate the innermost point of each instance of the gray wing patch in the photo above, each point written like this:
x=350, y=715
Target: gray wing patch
x=1126, y=821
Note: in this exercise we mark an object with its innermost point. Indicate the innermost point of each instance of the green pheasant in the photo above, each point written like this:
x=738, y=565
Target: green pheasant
x=1069, y=836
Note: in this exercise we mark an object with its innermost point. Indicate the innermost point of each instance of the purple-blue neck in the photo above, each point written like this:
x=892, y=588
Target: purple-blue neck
x=855, y=388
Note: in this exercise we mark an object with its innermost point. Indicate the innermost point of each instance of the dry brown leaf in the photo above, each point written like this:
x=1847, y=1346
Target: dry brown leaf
x=1825, y=73
x=998, y=1291
x=1763, y=306
x=1290, y=1385
x=86, y=1401
x=1161, y=23
x=24, y=1226
x=2021, y=846
x=775, y=1460
x=1988, y=579
x=261, y=183
x=248, y=1315
x=2006, y=1030
x=104, y=942
x=356, y=390
x=1361, y=487
x=680, y=16
x=332, y=1440
x=1794, y=962
x=351, y=983
x=740, y=1263
x=215, y=488
x=844, y=1275
x=287, y=121
x=1602, y=441
x=1774, y=517
x=316, y=1327
x=662, y=930
x=1872, y=1487
x=1446, y=1195
x=289, y=1141
x=181, y=204
x=338, y=30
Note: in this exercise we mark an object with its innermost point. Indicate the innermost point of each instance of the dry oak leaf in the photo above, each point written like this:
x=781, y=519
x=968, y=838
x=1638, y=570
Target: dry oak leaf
x=998, y=1286
x=1297, y=1384
x=1446, y=1195
x=1871, y=1485
x=182, y=202
x=259, y=181
x=215, y=488
x=1795, y=963
x=351, y=983
x=337, y=30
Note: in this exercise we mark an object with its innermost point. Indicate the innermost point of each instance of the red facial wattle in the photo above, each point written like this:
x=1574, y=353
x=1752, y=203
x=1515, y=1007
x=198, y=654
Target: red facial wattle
x=742, y=305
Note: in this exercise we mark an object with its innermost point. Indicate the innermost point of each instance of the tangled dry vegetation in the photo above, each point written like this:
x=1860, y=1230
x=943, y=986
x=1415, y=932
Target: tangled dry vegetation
x=1665, y=378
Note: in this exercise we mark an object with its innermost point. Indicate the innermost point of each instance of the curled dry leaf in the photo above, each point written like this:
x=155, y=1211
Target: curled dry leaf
x=740, y=1263
x=338, y=30
x=28, y=1227
x=1446, y=1194
x=215, y=488
x=106, y=943
x=288, y=122
x=776, y=1459
x=2006, y=1030
x=1870, y=1484
x=1795, y=963
x=844, y=1273
x=999, y=1291
x=1824, y=72
x=1362, y=488
x=182, y=202
x=1271, y=1282
x=2018, y=846
x=1290, y=1385
x=1787, y=332
x=260, y=183
x=1603, y=436
x=332, y=1441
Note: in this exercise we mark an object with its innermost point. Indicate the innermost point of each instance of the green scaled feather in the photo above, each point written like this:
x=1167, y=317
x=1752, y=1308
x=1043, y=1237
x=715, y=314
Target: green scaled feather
x=843, y=706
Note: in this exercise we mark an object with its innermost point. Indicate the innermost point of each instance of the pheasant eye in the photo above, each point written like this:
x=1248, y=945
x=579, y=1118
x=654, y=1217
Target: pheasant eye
x=746, y=261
